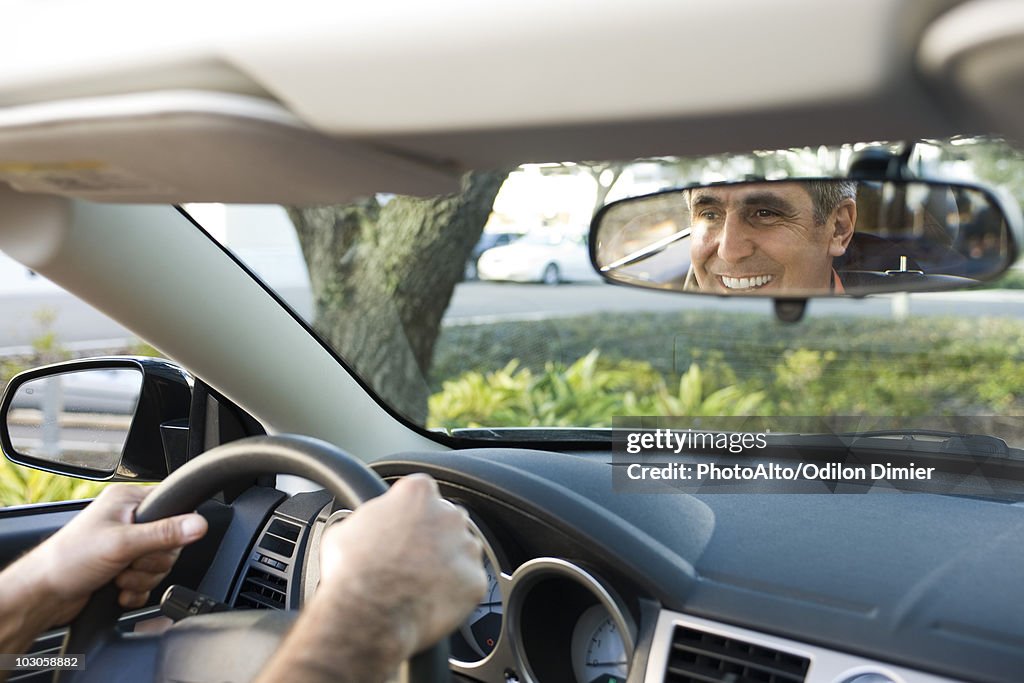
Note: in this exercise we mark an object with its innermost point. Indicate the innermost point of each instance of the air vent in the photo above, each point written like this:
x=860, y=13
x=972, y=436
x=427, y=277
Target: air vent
x=261, y=590
x=44, y=646
x=699, y=657
x=280, y=537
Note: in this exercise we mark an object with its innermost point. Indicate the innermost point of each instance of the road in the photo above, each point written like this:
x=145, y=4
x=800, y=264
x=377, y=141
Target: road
x=78, y=326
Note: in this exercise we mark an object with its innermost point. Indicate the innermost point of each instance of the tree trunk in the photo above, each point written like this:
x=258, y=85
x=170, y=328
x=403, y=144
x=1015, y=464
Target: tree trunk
x=382, y=275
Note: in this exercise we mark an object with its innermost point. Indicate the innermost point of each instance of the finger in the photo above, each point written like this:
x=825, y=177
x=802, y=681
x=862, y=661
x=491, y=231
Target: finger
x=117, y=502
x=450, y=517
x=474, y=545
x=463, y=514
x=156, y=562
x=136, y=581
x=418, y=484
x=162, y=535
x=125, y=493
x=133, y=599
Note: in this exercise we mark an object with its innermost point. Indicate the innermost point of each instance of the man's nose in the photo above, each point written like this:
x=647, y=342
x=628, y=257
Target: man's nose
x=735, y=240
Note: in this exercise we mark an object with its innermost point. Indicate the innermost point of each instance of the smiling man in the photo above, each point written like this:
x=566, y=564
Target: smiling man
x=770, y=238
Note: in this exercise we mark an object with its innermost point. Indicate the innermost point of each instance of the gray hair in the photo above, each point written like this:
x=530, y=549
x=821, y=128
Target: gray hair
x=826, y=195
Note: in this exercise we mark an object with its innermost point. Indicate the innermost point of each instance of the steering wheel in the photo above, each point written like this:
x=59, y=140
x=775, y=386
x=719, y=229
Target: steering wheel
x=93, y=632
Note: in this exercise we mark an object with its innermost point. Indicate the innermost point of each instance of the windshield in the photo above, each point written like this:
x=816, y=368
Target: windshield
x=451, y=337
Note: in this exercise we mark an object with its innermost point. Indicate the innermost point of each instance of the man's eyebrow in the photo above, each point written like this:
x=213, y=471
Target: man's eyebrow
x=705, y=200
x=770, y=200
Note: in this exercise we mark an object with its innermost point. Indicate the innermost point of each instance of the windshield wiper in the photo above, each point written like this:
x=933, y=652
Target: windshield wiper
x=535, y=434
x=933, y=440
x=911, y=440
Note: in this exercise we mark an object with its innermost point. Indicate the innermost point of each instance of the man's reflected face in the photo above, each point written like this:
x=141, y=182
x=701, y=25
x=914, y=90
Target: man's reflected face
x=763, y=239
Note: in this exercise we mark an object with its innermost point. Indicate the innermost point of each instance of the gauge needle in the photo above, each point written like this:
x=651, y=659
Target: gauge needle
x=488, y=604
x=621, y=663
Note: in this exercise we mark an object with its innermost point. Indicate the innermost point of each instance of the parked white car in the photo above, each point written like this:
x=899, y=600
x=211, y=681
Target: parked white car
x=547, y=257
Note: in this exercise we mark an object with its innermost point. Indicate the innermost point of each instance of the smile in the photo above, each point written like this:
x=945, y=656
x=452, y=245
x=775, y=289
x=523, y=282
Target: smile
x=746, y=282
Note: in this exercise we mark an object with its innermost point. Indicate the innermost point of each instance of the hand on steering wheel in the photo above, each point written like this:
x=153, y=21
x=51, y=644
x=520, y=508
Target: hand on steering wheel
x=349, y=480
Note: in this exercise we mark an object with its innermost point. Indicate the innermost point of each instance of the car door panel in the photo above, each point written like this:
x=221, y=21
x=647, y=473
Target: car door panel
x=25, y=526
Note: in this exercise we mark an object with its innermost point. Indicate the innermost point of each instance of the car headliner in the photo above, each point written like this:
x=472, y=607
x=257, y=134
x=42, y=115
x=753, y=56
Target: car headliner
x=313, y=102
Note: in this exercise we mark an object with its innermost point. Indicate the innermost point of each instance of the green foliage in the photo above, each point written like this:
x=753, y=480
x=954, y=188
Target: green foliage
x=587, y=393
x=699, y=397
x=22, y=485
x=1011, y=279
x=141, y=348
x=698, y=363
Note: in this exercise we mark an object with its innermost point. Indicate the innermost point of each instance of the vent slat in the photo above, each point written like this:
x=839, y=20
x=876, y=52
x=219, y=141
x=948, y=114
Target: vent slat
x=700, y=657
x=264, y=583
x=691, y=676
x=261, y=590
x=255, y=601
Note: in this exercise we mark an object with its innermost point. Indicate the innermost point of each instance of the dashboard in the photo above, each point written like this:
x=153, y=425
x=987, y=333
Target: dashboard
x=591, y=586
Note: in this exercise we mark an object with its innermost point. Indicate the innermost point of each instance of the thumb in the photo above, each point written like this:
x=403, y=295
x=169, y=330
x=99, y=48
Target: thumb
x=163, y=534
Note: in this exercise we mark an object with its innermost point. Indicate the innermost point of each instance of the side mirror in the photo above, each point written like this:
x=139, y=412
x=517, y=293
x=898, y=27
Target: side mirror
x=104, y=418
x=798, y=238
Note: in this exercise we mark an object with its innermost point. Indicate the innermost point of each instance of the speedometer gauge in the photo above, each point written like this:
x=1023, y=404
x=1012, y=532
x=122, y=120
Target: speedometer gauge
x=482, y=628
x=598, y=650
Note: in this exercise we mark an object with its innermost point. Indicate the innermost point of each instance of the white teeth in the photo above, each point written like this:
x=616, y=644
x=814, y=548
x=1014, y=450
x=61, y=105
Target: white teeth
x=746, y=282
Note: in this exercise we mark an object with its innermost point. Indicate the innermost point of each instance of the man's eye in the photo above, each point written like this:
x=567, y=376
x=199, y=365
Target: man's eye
x=708, y=215
x=766, y=213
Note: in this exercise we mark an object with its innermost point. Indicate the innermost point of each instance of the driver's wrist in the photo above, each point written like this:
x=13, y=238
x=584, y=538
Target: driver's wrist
x=27, y=606
x=370, y=619
x=338, y=640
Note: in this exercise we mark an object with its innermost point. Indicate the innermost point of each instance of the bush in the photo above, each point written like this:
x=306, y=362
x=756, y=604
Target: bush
x=22, y=485
x=587, y=393
x=1011, y=279
x=825, y=365
x=697, y=364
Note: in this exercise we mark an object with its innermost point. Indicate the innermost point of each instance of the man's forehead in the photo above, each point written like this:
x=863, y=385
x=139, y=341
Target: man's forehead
x=792, y=192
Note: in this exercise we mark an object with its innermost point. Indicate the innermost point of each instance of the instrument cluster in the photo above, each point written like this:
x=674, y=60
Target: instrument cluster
x=548, y=620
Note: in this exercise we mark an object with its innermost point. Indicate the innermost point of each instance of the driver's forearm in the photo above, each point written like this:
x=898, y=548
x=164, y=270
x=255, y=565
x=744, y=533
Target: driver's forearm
x=354, y=642
x=26, y=610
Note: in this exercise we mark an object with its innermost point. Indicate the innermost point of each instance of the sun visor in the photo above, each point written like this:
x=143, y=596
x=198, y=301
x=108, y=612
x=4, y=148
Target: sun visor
x=190, y=146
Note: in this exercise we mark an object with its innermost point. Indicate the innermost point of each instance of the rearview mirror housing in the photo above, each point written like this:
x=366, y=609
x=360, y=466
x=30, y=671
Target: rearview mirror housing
x=807, y=237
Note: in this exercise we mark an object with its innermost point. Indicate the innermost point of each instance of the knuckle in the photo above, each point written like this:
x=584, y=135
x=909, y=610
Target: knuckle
x=130, y=581
x=166, y=532
x=421, y=483
x=130, y=599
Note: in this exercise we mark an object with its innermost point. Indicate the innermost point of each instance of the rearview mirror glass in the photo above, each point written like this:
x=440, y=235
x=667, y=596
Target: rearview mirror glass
x=79, y=419
x=800, y=238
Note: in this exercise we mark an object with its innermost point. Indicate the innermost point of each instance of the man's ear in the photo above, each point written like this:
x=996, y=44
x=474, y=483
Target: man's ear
x=843, y=222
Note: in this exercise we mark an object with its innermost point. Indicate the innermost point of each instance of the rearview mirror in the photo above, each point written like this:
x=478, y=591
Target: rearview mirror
x=802, y=238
